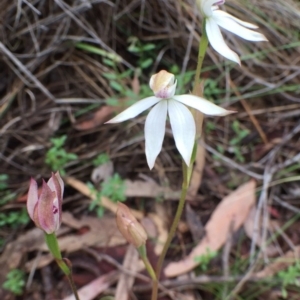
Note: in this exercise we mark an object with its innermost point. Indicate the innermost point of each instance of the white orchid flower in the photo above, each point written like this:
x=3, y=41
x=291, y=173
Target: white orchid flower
x=165, y=103
x=214, y=17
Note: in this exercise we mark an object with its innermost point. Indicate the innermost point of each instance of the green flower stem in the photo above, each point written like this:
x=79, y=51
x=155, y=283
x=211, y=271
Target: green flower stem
x=187, y=170
x=143, y=254
x=178, y=214
x=201, y=54
x=198, y=116
x=52, y=244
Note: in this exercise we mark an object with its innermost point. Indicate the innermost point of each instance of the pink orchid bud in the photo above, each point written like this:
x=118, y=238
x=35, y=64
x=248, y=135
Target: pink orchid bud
x=129, y=227
x=45, y=210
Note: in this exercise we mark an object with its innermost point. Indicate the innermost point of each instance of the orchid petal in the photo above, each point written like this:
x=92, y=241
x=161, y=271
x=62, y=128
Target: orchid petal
x=45, y=217
x=172, y=89
x=203, y=105
x=135, y=109
x=183, y=128
x=56, y=185
x=155, y=130
x=32, y=197
x=57, y=213
x=229, y=23
x=217, y=42
x=61, y=183
x=224, y=14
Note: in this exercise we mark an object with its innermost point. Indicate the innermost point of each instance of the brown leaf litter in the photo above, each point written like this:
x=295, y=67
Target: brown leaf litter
x=233, y=209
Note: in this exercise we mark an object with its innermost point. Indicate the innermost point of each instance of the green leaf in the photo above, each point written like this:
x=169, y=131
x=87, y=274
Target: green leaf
x=112, y=101
x=146, y=63
x=101, y=159
x=148, y=47
x=116, y=86
x=111, y=76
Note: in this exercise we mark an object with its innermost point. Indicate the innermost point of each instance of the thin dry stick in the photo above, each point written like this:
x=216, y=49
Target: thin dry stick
x=241, y=283
x=249, y=112
x=286, y=205
x=262, y=90
x=66, y=8
x=25, y=70
x=262, y=202
x=54, y=18
x=284, y=141
x=288, y=162
x=225, y=257
x=233, y=164
x=187, y=284
x=268, y=175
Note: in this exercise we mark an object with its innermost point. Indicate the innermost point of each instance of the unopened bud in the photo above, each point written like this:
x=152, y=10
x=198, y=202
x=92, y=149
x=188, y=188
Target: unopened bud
x=45, y=210
x=129, y=227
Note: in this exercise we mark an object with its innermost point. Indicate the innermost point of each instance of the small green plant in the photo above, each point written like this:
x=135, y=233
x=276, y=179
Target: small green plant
x=220, y=148
x=290, y=276
x=57, y=157
x=142, y=51
x=119, y=83
x=205, y=259
x=101, y=159
x=211, y=89
x=116, y=80
x=113, y=188
x=209, y=127
x=5, y=194
x=15, y=281
x=96, y=203
x=241, y=133
x=14, y=218
x=3, y=181
x=183, y=79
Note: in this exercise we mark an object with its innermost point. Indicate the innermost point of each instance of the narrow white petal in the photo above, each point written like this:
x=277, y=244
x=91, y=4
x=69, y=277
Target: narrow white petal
x=224, y=14
x=202, y=105
x=134, y=109
x=217, y=42
x=183, y=127
x=229, y=23
x=155, y=127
